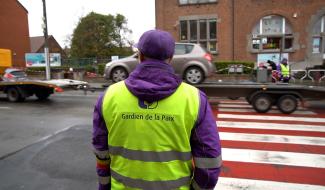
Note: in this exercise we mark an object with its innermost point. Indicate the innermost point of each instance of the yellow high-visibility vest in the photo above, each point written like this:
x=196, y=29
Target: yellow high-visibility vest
x=149, y=143
x=285, y=70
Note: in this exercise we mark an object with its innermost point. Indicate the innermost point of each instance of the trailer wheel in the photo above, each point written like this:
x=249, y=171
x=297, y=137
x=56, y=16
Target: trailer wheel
x=14, y=95
x=287, y=104
x=262, y=103
x=42, y=95
x=248, y=101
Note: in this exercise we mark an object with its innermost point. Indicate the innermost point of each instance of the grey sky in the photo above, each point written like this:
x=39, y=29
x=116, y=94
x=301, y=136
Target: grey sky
x=63, y=15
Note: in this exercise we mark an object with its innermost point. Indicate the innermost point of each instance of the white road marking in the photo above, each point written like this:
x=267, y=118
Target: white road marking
x=250, y=184
x=5, y=108
x=273, y=157
x=243, y=110
x=272, y=138
x=279, y=126
x=234, y=105
x=230, y=101
x=271, y=118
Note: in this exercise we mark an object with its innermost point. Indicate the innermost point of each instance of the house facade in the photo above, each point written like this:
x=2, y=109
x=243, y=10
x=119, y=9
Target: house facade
x=14, y=33
x=249, y=30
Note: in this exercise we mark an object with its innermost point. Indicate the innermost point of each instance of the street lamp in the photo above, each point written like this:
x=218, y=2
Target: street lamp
x=46, y=48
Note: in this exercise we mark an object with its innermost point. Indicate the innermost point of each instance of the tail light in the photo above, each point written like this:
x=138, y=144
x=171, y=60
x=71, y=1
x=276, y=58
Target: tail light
x=208, y=57
x=58, y=89
x=9, y=76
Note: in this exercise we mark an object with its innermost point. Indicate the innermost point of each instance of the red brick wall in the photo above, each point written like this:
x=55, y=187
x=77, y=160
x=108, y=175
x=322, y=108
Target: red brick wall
x=247, y=15
x=14, y=34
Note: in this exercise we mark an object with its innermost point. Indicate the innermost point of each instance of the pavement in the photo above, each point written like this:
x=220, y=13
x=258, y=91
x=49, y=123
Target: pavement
x=63, y=161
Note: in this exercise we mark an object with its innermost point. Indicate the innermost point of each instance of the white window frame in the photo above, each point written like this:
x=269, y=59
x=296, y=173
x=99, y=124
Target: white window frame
x=198, y=40
x=321, y=37
x=283, y=36
x=195, y=2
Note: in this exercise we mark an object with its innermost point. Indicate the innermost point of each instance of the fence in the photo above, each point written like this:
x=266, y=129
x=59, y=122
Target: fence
x=313, y=75
x=83, y=62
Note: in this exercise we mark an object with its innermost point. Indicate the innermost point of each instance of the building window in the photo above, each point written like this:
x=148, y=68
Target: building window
x=200, y=31
x=272, y=34
x=319, y=36
x=189, y=2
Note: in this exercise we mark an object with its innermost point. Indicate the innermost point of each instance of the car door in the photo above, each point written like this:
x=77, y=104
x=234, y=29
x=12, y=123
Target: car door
x=179, y=59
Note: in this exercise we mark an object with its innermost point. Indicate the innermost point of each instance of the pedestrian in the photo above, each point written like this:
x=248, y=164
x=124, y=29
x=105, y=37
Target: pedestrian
x=285, y=70
x=153, y=131
x=274, y=71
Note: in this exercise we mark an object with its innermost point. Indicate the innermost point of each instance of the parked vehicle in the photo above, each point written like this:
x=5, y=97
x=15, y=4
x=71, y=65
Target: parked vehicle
x=190, y=61
x=14, y=75
x=5, y=60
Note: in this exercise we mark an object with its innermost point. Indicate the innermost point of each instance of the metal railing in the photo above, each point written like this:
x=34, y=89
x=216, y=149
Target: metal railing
x=319, y=72
x=295, y=72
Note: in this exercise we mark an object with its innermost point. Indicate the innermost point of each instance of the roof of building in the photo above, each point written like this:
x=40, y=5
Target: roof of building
x=22, y=6
x=37, y=42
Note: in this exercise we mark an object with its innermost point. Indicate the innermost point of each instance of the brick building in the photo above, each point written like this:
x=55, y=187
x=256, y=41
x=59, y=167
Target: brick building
x=14, y=34
x=249, y=30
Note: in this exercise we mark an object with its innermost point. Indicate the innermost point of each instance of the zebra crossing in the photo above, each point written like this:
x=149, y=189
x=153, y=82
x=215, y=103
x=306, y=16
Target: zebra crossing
x=271, y=151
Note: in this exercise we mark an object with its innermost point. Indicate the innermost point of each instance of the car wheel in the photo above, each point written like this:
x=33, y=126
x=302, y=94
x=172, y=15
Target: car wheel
x=262, y=103
x=119, y=74
x=14, y=95
x=287, y=104
x=194, y=75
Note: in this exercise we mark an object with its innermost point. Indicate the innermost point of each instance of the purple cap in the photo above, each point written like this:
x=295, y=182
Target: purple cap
x=284, y=60
x=156, y=44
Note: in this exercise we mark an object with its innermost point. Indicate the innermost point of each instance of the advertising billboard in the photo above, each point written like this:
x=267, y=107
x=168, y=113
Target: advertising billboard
x=38, y=59
x=275, y=57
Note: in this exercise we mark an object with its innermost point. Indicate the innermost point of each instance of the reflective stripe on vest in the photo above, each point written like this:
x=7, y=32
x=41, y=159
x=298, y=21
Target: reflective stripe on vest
x=285, y=70
x=149, y=143
x=205, y=163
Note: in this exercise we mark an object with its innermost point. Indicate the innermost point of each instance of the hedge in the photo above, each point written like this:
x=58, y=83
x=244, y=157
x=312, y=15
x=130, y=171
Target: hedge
x=222, y=66
x=99, y=69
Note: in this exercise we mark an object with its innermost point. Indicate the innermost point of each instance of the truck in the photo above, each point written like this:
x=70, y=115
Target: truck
x=19, y=90
x=5, y=60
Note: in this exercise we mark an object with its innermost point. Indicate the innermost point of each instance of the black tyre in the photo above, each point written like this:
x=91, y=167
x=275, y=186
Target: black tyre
x=194, y=75
x=287, y=104
x=119, y=74
x=233, y=97
x=248, y=101
x=42, y=95
x=262, y=103
x=14, y=95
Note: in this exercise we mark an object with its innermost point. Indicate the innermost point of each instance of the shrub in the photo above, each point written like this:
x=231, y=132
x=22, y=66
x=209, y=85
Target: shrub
x=101, y=68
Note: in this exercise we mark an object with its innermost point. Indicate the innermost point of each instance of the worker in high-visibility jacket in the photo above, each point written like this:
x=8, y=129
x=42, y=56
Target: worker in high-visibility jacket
x=285, y=70
x=152, y=131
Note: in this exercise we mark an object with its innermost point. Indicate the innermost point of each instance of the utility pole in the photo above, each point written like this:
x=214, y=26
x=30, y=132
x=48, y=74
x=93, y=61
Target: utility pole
x=46, y=48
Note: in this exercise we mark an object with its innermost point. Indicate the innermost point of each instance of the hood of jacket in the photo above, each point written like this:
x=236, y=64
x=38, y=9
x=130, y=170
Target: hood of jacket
x=153, y=80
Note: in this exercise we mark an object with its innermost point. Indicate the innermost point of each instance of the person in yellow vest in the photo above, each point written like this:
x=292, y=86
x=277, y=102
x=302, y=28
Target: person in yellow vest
x=153, y=131
x=285, y=70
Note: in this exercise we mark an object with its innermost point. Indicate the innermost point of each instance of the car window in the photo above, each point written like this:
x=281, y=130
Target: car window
x=181, y=49
x=18, y=73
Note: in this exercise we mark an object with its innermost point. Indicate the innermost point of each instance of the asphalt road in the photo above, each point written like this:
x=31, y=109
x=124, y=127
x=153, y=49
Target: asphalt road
x=47, y=145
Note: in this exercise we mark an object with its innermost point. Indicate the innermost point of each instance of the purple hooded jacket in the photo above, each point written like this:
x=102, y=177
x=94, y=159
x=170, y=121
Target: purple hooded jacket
x=153, y=80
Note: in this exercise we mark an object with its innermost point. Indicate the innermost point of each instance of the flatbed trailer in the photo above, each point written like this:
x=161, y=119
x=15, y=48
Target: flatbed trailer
x=18, y=91
x=262, y=96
